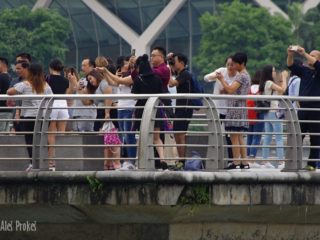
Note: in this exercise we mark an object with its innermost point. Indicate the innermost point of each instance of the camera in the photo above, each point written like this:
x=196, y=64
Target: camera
x=83, y=83
x=133, y=52
x=170, y=60
x=294, y=48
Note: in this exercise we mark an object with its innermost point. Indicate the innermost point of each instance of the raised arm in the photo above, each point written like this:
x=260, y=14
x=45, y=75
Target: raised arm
x=282, y=83
x=312, y=60
x=115, y=80
x=290, y=54
x=228, y=88
x=73, y=84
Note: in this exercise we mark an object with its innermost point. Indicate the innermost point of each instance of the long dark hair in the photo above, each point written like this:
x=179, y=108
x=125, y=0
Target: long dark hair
x=256, y=77
x=266, y=75
x=36, y=78
x=144, y=66
x=98, y=76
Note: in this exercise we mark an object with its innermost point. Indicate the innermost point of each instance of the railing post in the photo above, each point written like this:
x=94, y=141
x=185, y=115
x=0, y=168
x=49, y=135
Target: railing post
x=37, y=135
x=294, y=154
x=215, y=138
x=146, y=137
x=43, y=150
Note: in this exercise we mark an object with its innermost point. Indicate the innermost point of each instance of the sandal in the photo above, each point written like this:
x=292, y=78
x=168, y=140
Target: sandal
x=233, y=166
x=245, y=166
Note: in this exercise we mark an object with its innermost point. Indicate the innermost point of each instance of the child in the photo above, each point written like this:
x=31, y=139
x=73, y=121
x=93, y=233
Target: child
x=112, y=144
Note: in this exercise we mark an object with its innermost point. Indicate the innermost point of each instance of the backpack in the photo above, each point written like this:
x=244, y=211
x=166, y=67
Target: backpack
x=194, y=164
x=195, y=87
x=286, y=92
x=252, y=113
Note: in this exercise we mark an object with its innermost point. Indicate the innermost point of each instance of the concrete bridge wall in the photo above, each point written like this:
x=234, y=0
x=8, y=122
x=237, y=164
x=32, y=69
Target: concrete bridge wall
x=162, y=205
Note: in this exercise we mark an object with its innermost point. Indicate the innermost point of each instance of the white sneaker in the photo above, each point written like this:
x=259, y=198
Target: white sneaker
x=281, y=166
x=269, y=165
x=254, y=165
x=29, y=168
x=52, y=169
x=127, y=166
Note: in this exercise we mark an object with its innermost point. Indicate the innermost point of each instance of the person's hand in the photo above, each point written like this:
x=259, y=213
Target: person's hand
x=101, y=69
x=301, y=50
x=223, y=91
x=72, y=78
x=219, y=76
x=132, y=61
x=119, y=73
x=290, y=50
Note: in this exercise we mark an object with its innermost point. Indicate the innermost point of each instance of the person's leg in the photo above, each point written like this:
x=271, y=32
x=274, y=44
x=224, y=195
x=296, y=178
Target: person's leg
x=277, y=126
x=51, y=141
x=314, y=139
x=28, y=126
x=180, y=138
x=125, y=125
x=267, y=137
x=250, y=139
x=108, y=164
x=4, y=125
x=157, y=141
x=228, y=140
x=130, y=137
x=256, y=140
x=243, y=149
x=235, y=148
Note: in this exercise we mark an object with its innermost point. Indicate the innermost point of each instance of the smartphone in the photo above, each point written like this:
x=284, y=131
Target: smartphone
x=133, y=52
x=294, y=48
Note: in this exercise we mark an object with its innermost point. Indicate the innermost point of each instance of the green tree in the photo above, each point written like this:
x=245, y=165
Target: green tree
x=42, y=33
x=310, y=29
x=242, y=27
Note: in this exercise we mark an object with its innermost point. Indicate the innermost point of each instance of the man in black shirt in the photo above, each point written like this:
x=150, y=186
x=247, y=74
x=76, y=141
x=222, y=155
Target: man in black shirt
x=21, y=68
x=5, y=113
x=183, y=83
x=309, y=86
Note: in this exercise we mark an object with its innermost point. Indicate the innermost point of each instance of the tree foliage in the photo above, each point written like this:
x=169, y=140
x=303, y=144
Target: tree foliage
x=42, y=33
x=310, y=30
x=242, y=27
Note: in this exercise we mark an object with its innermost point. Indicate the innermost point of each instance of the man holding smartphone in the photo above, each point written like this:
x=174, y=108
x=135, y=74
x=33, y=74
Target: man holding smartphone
x=309, y=86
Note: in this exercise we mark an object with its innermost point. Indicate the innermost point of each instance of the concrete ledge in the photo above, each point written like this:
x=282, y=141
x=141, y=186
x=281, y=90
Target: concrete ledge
x=164, y=177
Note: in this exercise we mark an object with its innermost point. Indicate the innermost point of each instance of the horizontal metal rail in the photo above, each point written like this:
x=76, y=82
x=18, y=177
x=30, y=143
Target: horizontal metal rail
x=206, y=134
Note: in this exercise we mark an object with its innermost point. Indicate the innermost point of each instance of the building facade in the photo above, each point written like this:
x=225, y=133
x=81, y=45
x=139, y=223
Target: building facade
x=114, y=27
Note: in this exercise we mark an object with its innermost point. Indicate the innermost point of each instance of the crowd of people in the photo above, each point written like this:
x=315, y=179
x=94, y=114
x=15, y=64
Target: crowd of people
x=243, y=116
x=128, y=75
x=141, y=75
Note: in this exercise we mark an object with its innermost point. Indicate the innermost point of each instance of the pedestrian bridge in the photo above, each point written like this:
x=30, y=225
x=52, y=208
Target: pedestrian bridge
x=248, y=204
x=85, y=202
x=206, y=135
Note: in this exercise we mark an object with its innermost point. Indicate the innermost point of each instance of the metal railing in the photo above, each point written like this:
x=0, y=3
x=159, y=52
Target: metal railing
x=206, y=133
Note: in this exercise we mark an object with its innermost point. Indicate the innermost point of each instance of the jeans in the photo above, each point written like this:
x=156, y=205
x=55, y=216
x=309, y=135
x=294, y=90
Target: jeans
x=272, y=127
x=254, y=139
x=5, y=125
x=125, y=124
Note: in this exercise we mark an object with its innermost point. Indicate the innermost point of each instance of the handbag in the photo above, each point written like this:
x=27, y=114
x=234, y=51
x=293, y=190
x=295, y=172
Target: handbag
x=263, y=106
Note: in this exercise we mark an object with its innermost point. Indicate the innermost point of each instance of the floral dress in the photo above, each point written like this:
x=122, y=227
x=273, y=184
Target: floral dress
x=237, y=107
